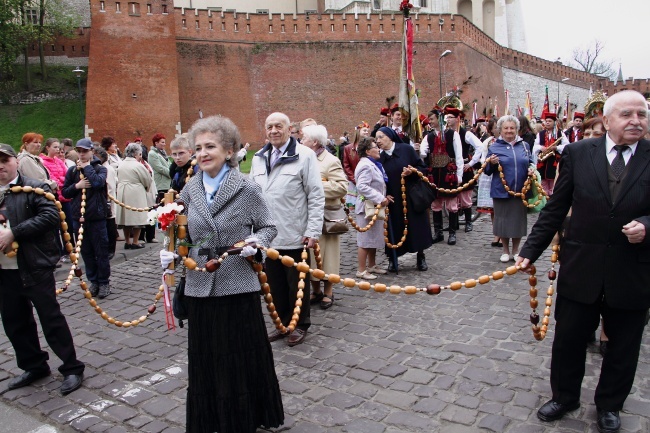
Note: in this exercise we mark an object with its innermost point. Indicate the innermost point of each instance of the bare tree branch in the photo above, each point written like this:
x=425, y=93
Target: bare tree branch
x=589, y=60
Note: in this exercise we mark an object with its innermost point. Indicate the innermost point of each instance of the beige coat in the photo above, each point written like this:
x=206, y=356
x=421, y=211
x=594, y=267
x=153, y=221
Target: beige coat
x=335, y=187
x=133, y=182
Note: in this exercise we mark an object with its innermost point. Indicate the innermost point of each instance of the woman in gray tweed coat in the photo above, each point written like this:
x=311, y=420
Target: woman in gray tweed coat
x=232, y=382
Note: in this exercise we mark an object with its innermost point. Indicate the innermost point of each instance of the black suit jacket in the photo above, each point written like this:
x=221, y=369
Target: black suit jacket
x=595, y=255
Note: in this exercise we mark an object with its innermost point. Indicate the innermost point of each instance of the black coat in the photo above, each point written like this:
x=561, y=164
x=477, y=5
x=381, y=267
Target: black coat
x=34, y=222
x=97, y=207
x=595, y=255
x=419, y=231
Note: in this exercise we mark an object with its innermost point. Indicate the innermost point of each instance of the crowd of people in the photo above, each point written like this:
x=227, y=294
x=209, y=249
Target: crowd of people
x=295, y=185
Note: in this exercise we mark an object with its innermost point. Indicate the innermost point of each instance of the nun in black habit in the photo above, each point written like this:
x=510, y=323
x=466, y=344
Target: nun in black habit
x=395, y=157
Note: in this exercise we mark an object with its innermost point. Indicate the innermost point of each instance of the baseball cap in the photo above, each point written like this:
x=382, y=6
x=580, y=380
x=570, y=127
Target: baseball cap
x=85, y=143
x=5, y=149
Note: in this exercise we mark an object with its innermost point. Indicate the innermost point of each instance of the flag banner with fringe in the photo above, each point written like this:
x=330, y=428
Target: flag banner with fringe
x=408, y=99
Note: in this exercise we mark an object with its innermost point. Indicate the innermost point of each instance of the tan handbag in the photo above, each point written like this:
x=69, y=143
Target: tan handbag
x=334, y=220
x=370, y=210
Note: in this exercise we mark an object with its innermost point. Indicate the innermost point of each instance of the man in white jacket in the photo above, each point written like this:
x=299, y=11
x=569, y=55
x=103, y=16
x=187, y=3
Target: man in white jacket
x=290, y=179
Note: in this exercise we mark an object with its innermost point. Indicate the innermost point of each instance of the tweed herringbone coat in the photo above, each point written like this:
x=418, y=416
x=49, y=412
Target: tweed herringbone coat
x=237, y=212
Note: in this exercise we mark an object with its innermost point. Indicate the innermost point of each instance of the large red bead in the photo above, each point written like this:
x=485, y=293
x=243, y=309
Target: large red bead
x=534, y=318
x=433, y=289
x=151, y=309
x=212, y=265
x=78, y=272
x=552, y=275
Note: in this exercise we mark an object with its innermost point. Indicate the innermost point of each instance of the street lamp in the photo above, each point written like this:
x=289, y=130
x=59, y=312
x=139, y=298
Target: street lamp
x=78, y=73
x=444, y=54
x=558, y=92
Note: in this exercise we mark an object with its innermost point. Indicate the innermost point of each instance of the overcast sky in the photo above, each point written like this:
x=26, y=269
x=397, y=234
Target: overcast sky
x=555, y=27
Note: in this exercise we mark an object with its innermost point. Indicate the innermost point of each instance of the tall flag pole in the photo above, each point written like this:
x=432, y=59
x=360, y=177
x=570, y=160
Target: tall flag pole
x=546, y=108
x=567, y=109
x=496, y=107
x=506, y=112
x=408, y=100
x=520, y=111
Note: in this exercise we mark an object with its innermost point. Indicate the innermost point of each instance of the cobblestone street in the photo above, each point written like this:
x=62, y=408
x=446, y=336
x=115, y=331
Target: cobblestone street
x=462, y=361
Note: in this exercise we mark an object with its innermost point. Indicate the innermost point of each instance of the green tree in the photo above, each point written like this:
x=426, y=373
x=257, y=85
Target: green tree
x=56, y=18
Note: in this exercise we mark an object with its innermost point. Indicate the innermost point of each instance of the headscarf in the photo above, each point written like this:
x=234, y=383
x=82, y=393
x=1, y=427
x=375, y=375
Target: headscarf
x=390, y=133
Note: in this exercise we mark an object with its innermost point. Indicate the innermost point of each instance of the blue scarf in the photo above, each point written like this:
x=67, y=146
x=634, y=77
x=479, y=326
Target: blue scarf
x=212, y=184
x=381, y=168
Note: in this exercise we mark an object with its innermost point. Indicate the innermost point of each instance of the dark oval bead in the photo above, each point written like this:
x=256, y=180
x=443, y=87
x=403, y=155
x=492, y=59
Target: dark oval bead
x=151, y=309
x=433, y=289
x=534, y=318
x=78, y=272
x=552, y=275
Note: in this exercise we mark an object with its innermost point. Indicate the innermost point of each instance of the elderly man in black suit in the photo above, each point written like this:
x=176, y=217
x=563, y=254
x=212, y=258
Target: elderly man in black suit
x=605, y=258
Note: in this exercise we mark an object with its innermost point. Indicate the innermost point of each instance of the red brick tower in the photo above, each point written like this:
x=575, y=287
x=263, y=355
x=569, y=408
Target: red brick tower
x=132, y=70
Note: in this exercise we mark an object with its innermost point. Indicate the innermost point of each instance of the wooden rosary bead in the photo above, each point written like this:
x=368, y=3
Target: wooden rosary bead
x=470, y=283
x=433, y=289
x=380, y=288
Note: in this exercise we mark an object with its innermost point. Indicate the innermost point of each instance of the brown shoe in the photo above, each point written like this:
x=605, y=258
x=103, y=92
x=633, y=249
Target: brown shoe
x=276, y=335
x=296, y=337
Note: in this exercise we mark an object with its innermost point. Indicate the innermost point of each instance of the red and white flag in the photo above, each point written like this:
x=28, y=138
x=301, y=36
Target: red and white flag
x=408, y=100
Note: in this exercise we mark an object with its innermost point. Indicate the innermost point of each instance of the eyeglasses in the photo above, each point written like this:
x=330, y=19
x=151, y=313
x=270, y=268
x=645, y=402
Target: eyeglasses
x=373, y=147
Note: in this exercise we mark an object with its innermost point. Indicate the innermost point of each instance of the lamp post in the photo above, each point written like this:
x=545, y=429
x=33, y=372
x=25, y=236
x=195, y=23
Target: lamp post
x=558, y=92
x=444, y=54
x=78, y=73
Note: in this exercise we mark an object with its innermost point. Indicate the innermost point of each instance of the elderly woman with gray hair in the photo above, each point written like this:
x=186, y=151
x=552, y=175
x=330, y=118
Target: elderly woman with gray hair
x=232, y=382
x=335, y=186
x=133, y=183
x=516, y=160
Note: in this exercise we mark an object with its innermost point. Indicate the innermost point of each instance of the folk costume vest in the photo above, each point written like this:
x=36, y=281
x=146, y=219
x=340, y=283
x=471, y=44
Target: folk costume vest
x=442, y=159
x=548, y=168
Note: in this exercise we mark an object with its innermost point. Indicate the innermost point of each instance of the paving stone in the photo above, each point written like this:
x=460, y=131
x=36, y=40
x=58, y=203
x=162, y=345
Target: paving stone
x=158, y=406
x=342, y=400
x=429, y=406
x=34, y=399
x=371, y=410
x=459, y=415
x=326, y=416
x=169, y=385
x=68, y=413
x=83, y=423
x=499, y=394
x=495, y=423
x=361, y=425
x=317, y=393
x=393, y=370
x=120, y=413
x=395, y=398
x=139, y=421
x=411, y=421
x=417, y=376
x=155, y=426
x=133, y=396
x=49, y=406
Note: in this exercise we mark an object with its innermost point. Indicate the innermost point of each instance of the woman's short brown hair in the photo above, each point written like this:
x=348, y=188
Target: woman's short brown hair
x=364, y=146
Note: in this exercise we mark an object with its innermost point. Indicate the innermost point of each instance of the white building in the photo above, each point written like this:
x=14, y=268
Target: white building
x=502, y=20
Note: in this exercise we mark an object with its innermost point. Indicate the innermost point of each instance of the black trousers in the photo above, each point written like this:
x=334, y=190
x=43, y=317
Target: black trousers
x=16, y=303
x=575, y=322
x=284, y=288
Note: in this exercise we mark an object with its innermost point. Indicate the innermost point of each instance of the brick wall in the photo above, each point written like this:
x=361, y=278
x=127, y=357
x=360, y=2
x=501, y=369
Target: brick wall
x=132, y=85
x=336, y=68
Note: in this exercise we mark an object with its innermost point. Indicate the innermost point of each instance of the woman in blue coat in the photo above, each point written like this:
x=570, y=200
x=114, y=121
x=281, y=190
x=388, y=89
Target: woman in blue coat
x=514, y=156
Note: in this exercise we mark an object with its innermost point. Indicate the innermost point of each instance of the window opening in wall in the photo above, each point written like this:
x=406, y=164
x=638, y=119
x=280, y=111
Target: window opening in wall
x=134, y=8
x=73, y=48
x=62, y=47
x=295, y=28
x=248, y=28
x=32, y=16
x=270, y=28
x=117, y=7
x=262, y=11
x=282, y=29
x=423, y=3
x=417, y=27
x=393, y=25
x=236, y=27
x=429, y=28
x=196, y=24
x=164, y=9
x=53, y=47
x=332, y=27
x=102, y=7
x=345, y=27
x=223, y=26
x=320, y=28
x=149, y=9
x=356, y=28
x=381, y=28
x=210, y=25
x=453, y=27
x=307, y=28
x=184, y=23
x=376, y=4
x=83, y=48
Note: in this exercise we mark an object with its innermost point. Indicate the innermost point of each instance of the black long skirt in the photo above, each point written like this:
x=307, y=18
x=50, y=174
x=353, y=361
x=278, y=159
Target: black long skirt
x=232, y=387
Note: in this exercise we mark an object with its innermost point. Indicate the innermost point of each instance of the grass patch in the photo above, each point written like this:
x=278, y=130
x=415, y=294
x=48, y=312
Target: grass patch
x=245, y=166
x=57, y=118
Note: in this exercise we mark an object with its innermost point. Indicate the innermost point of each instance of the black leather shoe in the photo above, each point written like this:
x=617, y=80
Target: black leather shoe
x=296, y=337
x=452, y=238
x=391, y=266
x=552, y=410
x=608, y=421
x=26, y=379
x=71, y=382
x=421, y=262
x=276, y=335
x=438, y=237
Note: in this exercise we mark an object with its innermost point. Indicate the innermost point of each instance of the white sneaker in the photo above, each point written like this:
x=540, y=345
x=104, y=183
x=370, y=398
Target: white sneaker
x=376, y=270
x=515, y=257
x=505, y=258
x=366, y=275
